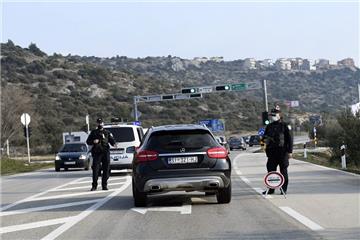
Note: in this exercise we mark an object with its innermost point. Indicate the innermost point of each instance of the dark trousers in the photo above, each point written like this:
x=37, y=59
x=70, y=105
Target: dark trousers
x=101, y=161
x=278, y=157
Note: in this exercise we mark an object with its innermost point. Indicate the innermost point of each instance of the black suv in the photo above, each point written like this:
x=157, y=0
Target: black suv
x=181, y=158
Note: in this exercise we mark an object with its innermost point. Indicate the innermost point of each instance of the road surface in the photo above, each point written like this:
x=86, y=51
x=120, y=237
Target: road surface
x=321, y=204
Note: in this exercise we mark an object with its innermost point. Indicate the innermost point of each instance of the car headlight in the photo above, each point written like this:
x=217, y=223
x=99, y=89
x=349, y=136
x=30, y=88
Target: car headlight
x=82, y=157
x=57, y=158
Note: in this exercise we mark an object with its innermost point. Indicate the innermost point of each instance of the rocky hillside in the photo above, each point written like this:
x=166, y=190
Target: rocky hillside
x=63, y=89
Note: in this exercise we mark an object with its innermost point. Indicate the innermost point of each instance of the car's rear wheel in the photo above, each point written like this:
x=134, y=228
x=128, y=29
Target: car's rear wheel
x=66, y=169
x=57, y=169
x=224, y=194
x=140, y=198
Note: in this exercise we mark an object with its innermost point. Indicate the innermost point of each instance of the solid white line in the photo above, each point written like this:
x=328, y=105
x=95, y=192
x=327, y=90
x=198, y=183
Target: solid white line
x=37, y=209
x=304, y=220
x=84, y=187
x=328, y=168
x=109, y=180
x=28, y=199
x=57, y=232
x=32, y=225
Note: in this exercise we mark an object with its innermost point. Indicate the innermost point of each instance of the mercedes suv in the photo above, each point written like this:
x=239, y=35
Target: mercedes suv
x=181, y=158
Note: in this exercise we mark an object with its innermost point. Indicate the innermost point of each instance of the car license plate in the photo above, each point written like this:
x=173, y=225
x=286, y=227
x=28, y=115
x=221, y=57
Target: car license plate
x=182, y=160
x=69, y=163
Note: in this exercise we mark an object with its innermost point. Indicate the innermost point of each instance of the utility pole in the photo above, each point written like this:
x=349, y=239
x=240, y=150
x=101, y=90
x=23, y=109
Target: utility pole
x=265, y=96
x=135, y=109
x=359, y=91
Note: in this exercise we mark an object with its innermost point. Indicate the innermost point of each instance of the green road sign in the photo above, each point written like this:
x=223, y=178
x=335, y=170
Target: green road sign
x=238, y=87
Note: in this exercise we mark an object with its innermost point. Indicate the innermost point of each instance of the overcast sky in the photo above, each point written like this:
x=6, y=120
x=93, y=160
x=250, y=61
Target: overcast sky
x=232, y=30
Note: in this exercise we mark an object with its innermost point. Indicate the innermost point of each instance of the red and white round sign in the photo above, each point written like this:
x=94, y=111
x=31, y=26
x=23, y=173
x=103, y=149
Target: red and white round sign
x=274, y=180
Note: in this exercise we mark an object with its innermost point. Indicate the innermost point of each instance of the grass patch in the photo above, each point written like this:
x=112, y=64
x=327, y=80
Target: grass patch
x=324, y=159
x=11, y=166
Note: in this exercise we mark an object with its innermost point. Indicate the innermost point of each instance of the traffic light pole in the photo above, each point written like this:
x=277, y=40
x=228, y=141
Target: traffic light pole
x=265, y=96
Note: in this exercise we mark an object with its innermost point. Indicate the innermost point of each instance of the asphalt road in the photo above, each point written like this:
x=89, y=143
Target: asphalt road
x=322, y=204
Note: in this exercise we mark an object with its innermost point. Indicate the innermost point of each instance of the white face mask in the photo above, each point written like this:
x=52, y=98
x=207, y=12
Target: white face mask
x=276, y=117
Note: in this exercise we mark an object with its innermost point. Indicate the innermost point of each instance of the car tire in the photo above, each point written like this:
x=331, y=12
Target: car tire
x=57, y=169
x=66, y=169
x=224, y=195
x=109, y=172
x=140, y=198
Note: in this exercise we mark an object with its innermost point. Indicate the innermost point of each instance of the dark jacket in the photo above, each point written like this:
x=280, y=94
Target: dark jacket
x=277, y=136
x=105, y=138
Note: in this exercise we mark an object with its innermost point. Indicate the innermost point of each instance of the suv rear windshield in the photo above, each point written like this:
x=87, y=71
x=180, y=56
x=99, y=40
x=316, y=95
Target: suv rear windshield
x=122, y=134
x=172, y=140
x=74, y=148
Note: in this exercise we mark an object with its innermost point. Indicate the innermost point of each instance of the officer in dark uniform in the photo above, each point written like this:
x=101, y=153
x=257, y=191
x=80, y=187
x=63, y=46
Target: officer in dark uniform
x=100, y=139
x=279, y=146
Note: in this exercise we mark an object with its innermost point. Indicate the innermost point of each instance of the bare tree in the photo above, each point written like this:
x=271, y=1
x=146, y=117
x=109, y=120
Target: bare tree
x=14, y=102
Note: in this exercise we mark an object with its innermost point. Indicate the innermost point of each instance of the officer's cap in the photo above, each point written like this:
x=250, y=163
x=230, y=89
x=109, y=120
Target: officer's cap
x=99, y=120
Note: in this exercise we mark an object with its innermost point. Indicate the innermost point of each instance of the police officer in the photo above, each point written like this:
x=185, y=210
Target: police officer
x=100, y=139
x=279, y=146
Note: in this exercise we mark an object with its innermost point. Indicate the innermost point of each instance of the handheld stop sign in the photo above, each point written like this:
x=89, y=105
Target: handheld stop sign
x=274, y=180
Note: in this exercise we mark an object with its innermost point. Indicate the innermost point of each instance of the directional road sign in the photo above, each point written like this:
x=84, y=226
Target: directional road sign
x=238, y=87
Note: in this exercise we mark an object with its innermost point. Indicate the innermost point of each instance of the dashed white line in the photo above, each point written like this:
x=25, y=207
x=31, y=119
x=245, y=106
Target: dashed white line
x=32, y=225
x=84, y=187
x=304, y=220
x=57, y=232
x=72, y=195
x=109, y=180
x=37, y=209
x=28, y=199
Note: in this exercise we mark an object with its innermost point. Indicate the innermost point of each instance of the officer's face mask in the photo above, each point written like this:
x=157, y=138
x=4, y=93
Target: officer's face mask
x=101, y=125
x=275, y=117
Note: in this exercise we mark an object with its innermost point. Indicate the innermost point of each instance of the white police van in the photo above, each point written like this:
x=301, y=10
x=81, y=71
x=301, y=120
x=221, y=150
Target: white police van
x=128, y=138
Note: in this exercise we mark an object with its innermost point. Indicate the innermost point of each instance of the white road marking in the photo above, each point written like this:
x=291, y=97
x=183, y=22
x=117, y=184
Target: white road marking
x=185, y=209
x=109, y=180
x=32, y=225
x=304, y=220
x=84, y=187
x=247, y=181
x=57, y=232
x=28, y=199
x=73, y=195
x=260, y=191
x=37, y=209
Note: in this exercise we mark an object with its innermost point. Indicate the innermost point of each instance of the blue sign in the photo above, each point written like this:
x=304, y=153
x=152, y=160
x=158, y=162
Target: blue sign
x=261, y=132
x=137, y=123
x=215, y=125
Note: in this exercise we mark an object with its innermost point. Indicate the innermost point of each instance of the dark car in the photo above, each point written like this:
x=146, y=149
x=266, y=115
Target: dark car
x=254, y=140
x=237, y=143
x=73, y=155
x=181, y=158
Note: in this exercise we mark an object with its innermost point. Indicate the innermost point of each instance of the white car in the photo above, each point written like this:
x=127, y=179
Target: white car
x=127, y=138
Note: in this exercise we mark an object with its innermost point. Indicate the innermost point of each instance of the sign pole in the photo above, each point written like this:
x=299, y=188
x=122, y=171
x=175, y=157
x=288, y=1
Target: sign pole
x=7, y=148
x=343, y=157
x=265, y=97
x=87, y=123
x=27, y=138
x=135, y=109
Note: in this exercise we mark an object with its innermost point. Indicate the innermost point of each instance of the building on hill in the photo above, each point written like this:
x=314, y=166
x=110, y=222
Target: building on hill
x=264, y=64
x=283, y=64
x=217, y=59
x=249, y=63
x=322, y=64
x=347, y=62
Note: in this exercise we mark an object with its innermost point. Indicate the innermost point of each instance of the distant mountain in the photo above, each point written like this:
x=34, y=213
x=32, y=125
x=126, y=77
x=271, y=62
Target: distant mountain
x=63, y=89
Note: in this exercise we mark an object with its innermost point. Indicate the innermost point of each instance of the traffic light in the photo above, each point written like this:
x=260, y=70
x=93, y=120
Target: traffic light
x=28, y=130
x=188, y=90
x=222, y=88
x=265, y=118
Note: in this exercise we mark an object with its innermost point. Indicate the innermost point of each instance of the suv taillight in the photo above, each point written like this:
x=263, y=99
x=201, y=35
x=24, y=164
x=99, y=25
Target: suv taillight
x=146, y=155
x=217, y=152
